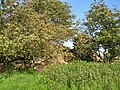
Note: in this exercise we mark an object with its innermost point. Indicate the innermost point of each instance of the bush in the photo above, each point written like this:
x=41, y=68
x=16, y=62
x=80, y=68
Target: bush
x=20, y=48
x=84, y=47
x=27, y=34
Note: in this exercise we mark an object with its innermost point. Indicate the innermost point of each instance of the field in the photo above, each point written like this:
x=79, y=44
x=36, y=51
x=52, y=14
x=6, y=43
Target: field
x=75, y=76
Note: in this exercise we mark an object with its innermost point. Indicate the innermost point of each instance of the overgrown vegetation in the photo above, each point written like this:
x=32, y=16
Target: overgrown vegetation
x=28, y=33
x=75, y=76
x=34, y=31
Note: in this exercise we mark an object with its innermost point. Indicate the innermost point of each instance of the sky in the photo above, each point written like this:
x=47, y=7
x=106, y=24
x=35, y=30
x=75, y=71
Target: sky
x=79, y=7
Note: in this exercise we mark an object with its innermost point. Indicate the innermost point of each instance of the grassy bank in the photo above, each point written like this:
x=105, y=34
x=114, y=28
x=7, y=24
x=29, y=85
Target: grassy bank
x=75, y=76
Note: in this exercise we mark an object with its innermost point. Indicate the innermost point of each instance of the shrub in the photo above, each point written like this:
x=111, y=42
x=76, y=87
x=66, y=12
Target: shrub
x=26, y=33
x=20, y=48
x=84, y=47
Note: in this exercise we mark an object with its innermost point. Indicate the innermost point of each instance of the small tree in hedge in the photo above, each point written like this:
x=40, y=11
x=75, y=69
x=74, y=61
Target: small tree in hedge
x=84, y=47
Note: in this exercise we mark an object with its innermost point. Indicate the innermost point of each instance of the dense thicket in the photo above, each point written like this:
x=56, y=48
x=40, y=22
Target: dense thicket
x=26, y=33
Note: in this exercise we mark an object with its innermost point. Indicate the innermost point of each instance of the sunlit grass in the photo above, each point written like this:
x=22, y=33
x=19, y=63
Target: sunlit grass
x=75, y=76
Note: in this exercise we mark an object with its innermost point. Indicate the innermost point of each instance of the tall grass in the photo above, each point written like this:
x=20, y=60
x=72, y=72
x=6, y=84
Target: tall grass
x=74, y=76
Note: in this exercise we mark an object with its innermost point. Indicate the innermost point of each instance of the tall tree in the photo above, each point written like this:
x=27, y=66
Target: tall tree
x=103, y=25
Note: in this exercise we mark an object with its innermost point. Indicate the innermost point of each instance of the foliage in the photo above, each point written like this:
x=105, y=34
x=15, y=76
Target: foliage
x=102, y=24
x=83, y=47
x=74, y=76
x=58, y=11
x=27, y=34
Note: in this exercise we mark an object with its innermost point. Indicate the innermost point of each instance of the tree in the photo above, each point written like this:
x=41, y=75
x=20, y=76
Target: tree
x=6, y=10
x=58, y=11
x=27, y=34
x=103, y=25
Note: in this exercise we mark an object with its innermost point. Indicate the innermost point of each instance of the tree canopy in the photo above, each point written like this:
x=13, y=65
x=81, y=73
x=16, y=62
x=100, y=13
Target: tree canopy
x=103, y=25
x=26, y=33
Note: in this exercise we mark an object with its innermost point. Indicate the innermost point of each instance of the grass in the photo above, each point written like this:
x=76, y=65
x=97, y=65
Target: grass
x=76, y=76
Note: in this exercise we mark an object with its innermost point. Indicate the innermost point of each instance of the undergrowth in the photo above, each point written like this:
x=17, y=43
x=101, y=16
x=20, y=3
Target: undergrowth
x=75, y=76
